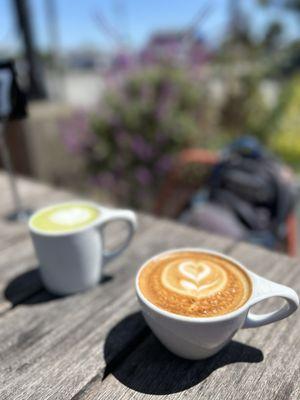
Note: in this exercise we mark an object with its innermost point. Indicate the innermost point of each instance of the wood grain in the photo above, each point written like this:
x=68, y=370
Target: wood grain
x=95, y=345
x=261, y=363
x=53, y=349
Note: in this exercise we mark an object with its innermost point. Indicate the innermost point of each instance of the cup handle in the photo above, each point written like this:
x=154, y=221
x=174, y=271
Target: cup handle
x=111, y=215
x=264, y=289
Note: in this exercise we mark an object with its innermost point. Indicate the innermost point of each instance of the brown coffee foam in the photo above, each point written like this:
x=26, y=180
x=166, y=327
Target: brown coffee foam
x=231, y=294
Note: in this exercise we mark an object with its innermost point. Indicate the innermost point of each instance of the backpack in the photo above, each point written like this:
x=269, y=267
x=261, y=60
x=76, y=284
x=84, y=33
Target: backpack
x=252, y=184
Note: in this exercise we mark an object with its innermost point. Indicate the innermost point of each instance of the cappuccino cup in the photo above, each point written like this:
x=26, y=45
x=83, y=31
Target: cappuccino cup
x=195, y=300
x=68, y=240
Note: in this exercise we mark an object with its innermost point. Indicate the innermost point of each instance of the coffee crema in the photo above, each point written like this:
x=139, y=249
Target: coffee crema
x=195, y=284
x=65, y=217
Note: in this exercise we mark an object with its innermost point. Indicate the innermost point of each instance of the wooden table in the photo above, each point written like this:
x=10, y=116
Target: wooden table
x=95, y=345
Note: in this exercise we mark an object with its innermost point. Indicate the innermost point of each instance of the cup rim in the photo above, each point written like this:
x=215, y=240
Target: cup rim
x=92, y=224
x=205, y=320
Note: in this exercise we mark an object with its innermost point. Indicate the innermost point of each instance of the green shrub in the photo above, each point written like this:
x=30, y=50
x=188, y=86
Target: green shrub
x=142, y=122
x=285, y=139
x=244, y=109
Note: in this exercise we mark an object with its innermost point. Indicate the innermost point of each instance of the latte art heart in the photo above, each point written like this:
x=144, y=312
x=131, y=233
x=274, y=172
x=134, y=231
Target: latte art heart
x=195, y=279
x=194, y=271
x=194, y=284
x=65, y=217
x=72, y=216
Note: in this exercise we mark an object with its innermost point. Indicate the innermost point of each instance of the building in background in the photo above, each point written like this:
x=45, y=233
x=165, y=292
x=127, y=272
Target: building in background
x=181, y=46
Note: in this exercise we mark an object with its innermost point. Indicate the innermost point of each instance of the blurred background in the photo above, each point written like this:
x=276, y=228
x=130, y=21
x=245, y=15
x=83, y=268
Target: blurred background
x=122, y=92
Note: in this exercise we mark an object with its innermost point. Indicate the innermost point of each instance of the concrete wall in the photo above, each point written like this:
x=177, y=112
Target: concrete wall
x=49, y=160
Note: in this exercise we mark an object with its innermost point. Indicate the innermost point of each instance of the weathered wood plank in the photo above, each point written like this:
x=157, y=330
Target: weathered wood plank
x=17, y=282
x=62, y=348
x=53, y=349
x=259, y=364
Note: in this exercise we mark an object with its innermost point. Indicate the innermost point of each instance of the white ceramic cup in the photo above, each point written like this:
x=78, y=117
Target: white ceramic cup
x=199, y=338
x=73, y=261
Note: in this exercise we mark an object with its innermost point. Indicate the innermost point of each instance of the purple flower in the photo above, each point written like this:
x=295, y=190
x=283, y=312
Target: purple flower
x=76, y=133
x=164, y=164
x=141, y=148
x=146, y=57
x=105, y=180
x=72, y=142
x=143, y=176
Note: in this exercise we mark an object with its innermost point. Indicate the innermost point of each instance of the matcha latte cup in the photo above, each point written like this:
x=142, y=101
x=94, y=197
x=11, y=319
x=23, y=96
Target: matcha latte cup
x=68, y=240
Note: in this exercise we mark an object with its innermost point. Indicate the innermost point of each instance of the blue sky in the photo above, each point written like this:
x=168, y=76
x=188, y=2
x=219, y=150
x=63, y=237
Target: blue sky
x=136, y=20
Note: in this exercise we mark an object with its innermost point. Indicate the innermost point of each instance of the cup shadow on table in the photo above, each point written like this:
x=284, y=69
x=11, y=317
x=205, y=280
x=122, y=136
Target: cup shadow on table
x=148, y=367
x=27, y=288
